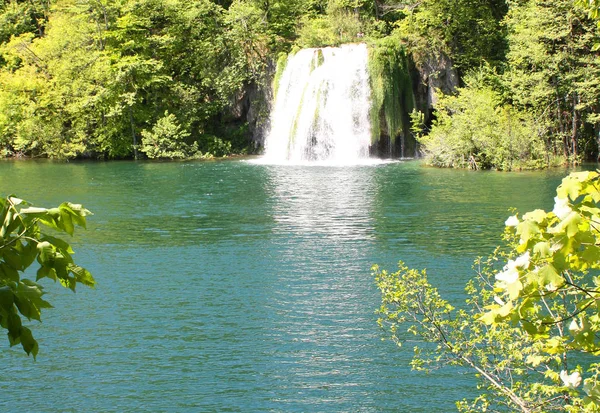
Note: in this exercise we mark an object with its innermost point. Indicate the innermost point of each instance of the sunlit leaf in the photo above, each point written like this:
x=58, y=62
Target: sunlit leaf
x=538, y=215
x=26, y=242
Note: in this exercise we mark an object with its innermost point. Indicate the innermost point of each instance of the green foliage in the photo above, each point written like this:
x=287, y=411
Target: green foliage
x=543, y=105
x=215, y=146
x=237, y=142
x=551, y=282
x=166, y=140
x=592, y=7
x=19, y=17
x=280, y=20
x=469, y=31
x=85, y=78
x=343, y=22
x=530, y=329
x=23, y=241
x=316, y=32
x=391, y=88
x=475, y=129
x=417, y=123
x=98, y=74
x=552, y=71
x=249, y=28
x=346, y=23
x=412, y=307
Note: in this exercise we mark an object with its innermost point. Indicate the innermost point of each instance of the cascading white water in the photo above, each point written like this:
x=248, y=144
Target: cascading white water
x=322, y=107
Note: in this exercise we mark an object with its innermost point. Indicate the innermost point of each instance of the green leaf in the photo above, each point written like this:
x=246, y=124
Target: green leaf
x=542, y=249
x=529, y=327
x=30, y=345
x=488, y=317
x=46, y=254
x=77, y=212
x=7, y=298
x=16, y=201
x=34, y=211
x=13, y=258
x=82, y=275
x=513, y=290
x=538, y=216
x=58, y=243
x=27, y=308
x=46, y=272
x=12, y=221
x=569, y=225
x=21, y=242
x=7, y=273
x=583, y=176
x=528, y=230
x=28, y=299
x=570, y=187
x=67, y=222
x=550, y=278
x=591, y=254
x=68, y=282
x=14, y=327
x=535, y=360
x=27, y=253
x=505, y=310
x=51, y=219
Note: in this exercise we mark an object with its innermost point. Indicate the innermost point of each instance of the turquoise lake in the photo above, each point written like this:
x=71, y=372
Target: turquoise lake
x=230, y=286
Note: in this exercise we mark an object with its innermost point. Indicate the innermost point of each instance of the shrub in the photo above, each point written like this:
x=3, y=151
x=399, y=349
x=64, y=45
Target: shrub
x=476, y=129
x=166, y=140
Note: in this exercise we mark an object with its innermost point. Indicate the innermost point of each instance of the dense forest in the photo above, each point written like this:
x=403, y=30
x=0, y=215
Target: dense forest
x=492, y=83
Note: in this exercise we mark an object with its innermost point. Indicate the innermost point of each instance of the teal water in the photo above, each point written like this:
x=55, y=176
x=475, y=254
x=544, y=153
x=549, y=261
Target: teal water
x=235, y=287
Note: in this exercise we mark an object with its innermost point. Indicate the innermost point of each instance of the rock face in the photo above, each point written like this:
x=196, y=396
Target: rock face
x=435, y=74
x=260, y=98
x=397, y=146
x=252, y=104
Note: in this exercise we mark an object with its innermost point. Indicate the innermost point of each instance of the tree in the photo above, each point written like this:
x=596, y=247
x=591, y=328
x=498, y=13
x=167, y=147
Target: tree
x=102, y=72
x=18, y=17
x=166, y=140
x=468, y=31
x=475, y=129
x=550, y=74
x=529, y=329
x=553, y=71
x=591, y=6
x=23, y=240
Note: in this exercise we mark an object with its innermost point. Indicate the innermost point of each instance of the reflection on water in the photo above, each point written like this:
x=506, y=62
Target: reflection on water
x=232, y=286
x=325, y=345
x=335, y=203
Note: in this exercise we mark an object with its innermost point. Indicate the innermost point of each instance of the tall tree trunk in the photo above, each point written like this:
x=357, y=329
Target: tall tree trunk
x=135, y=146
x=574, y=130
x=575, y=95
x=561, y=125
x=597, y=133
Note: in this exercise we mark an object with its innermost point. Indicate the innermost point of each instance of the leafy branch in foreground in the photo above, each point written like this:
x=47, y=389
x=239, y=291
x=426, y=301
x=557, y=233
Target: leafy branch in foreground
x=529, y=330
x=23, y=241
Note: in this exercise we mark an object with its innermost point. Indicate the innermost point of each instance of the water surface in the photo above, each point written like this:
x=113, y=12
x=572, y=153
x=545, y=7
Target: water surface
x=239, y=287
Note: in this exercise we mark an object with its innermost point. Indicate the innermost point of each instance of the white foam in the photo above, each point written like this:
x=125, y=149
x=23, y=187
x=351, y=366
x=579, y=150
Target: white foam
x=321, y=112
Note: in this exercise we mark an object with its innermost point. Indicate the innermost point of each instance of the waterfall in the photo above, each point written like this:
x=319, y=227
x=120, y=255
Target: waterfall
x=322, y=107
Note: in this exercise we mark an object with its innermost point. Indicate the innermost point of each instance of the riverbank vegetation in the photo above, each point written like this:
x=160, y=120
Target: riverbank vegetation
x=102, y=79
x=547, y=88
x=529, y=327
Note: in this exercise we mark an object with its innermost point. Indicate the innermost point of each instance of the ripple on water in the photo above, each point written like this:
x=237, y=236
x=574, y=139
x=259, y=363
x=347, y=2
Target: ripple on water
x=236, y=286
